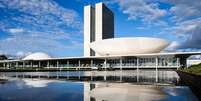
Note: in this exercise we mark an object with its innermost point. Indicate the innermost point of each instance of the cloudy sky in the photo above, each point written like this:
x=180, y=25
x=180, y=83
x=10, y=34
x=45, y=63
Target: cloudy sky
x=56, y=26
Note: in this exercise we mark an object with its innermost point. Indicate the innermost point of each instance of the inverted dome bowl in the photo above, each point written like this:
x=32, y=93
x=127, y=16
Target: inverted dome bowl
x=128, y=46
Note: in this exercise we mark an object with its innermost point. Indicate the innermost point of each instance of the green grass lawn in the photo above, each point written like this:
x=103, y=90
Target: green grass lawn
x=194, y=69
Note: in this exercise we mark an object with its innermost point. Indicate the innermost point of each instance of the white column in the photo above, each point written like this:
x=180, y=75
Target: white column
x=48, y=64
x=178, y=63
x=156, y=69
x=92, y=75
x=120, y=69
x=16, y=64
x=68, y=63
x=57, y=64
x=79, y=68
x=121, y=64
x=91, y=70
x=57, y=75
x=137, y=69
x=23, y=64
x=105, y=66
x=39, y=64
x=91, y=63
x=31, y=63
x=4, y=65
x=68, y=68
x=7, y=66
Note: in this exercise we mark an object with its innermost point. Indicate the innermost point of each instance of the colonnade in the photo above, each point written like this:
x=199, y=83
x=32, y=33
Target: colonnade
x=116, y=63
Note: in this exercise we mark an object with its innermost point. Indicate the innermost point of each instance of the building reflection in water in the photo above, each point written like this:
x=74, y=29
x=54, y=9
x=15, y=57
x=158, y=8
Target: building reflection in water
x=29, y=89
x=161, y=76
x=100, y=91
x=126, y=85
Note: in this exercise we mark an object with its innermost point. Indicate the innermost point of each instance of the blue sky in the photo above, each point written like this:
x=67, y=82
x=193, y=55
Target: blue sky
x=56, y=26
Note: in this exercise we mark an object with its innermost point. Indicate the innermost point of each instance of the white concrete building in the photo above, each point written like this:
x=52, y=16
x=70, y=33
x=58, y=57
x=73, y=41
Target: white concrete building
x=102, y=50
x=129, y=46
x=89, y=29
x=98, y=25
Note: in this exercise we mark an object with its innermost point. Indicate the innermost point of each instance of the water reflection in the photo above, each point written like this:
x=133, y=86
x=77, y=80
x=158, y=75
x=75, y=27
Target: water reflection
x=40, y=90
x=116, y=92
x=58, y=90
x=129, y=92
x=162, y=76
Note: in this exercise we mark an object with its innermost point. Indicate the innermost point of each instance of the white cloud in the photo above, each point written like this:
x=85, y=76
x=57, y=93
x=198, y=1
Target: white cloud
x=184, y=16
x=188, y=31
x=44, y=10
x=38, y=41
x=39, y=25
x=185, y=28
x=146, y=11
x=173, y=46
x=140, y=9
x=184, y=9
x=194, y=39
x=16, y=30
x=39, y=83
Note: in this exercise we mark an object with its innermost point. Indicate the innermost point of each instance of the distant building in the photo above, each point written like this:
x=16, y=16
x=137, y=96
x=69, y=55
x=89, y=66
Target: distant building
x=191, y=62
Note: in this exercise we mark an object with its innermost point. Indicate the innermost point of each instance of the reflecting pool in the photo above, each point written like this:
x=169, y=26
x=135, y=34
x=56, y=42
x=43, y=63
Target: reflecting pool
x=48, y=86
x=58, y=90
x=40, y=90
x=150, y=76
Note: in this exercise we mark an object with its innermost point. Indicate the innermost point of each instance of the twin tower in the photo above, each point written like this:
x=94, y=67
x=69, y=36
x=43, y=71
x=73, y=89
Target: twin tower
x=98, y=25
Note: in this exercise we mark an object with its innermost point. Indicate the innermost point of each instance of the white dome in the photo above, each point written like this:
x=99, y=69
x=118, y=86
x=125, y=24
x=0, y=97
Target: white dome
x=129, y=46
x=37, y=56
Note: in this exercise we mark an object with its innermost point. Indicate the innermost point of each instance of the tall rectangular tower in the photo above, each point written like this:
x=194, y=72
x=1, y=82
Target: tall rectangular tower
x=98, y=25
x=89, y=29
x=104, y=22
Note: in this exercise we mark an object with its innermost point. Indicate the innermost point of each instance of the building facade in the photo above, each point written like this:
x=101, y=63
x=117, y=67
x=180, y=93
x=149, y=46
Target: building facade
x=98, y=25
x=89, y=29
